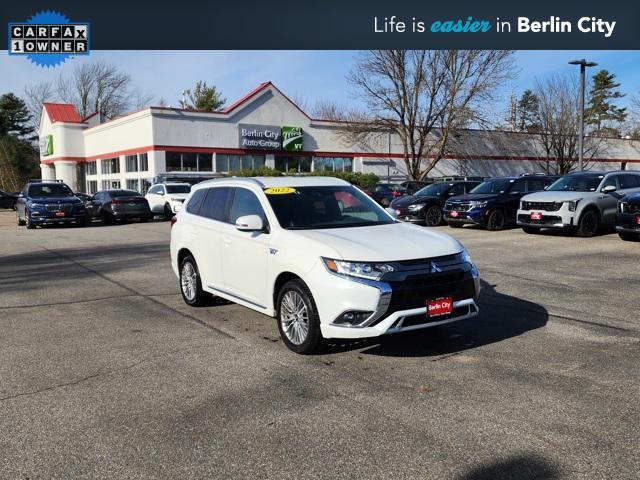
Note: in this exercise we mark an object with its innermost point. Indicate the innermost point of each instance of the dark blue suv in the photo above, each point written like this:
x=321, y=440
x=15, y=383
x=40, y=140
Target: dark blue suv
x=494, y=203
x=46, y=202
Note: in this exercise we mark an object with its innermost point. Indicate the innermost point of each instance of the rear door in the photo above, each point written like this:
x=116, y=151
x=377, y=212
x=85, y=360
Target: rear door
x=609, y=201
x=245, y=255
x=155, y=198
x=517, y=191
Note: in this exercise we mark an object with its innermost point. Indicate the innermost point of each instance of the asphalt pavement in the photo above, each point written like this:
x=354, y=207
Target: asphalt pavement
x=106, y=373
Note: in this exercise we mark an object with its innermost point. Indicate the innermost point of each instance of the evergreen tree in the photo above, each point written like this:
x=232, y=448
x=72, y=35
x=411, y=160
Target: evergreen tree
x=203, y=98
x=601, y=110
x=527, y=112
x=15, y=118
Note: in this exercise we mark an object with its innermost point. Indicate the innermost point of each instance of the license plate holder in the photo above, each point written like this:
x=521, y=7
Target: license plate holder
x=59, y=214
x=439, y=306
x=536, y=216
x=453, y=214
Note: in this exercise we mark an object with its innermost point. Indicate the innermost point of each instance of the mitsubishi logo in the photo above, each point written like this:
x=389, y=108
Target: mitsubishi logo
x=434, y=268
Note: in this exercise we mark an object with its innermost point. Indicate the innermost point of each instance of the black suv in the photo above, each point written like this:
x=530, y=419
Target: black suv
x=494, y=203
x=628, y=217
x=425, y=206
x=49, y=202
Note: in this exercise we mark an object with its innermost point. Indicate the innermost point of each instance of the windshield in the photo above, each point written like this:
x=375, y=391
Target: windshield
x=576, y=183
x=493, y=186
x=124, y=193
x=178, y=188
x=50, y=190
x=434, y=189
x=309, y=208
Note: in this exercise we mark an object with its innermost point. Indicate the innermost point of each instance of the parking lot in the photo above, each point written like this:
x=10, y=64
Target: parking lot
x=106, y=373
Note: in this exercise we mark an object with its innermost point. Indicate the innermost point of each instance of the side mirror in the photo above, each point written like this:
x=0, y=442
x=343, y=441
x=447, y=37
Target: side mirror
x=249, y=223
x=609, y=189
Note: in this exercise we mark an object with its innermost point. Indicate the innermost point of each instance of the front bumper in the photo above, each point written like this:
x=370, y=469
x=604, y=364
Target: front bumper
x=411, y=216
x=47, y=218
x=628, y=223
x=395, y=304
x=474, y=216
x=560, y=219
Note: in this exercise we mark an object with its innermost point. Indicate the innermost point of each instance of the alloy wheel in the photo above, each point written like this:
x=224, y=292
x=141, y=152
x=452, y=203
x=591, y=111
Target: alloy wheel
x=434, y=216
x=189, y=281
x=294, y=317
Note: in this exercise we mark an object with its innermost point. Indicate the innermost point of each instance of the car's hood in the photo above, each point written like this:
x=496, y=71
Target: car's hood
x=473, y=197
x=632, y=197
x=547, y=196
x=412, y=200
x=56, y=199
x=383, y=243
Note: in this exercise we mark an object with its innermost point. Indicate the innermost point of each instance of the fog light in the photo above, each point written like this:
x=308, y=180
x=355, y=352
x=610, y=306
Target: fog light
x=352, y=318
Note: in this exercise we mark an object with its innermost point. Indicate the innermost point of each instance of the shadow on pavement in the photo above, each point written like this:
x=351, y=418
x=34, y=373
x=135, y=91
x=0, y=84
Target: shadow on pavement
x=501, y=317
x=521, y=467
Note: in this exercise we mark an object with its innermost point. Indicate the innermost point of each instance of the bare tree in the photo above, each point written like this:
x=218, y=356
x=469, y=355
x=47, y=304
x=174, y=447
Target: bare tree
x=425, y=96
x=96, y=87
x=35, y=95
x=558, y=120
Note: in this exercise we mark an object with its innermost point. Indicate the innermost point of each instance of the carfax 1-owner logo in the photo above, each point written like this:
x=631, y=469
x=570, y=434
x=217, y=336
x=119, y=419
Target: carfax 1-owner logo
x=48, y=38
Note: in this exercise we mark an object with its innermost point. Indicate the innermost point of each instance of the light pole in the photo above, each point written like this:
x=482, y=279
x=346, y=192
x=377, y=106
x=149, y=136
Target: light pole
x=583, y=66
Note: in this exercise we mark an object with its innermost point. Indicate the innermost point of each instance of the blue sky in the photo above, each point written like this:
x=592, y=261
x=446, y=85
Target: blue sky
x=308, y=74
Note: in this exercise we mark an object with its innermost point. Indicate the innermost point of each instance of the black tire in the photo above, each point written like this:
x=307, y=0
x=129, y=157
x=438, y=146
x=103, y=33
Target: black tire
x=589, y=224
x=28, y=223
x=312, y=341
x=455, y=225
x=168, y=214
x=190, y=284
x=433, y=216
x=629, y=237
x=531, y=230
x=496, y=221
x=106, y=218
x=81, y=222
x=144, y=219
x=20, y=222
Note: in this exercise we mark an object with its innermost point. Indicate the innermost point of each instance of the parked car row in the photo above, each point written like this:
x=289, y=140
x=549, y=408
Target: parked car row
x=49, y=202
x=582, y=202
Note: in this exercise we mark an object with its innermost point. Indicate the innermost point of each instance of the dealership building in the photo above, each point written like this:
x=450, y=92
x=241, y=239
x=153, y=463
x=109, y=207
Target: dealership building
x=263, y=128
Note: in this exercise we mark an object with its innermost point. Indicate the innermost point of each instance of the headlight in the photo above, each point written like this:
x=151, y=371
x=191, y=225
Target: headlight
x=478, y=204
x=466, y=258
x=37, y=205
x=573, y=204
x=415, y=207
x=371, y=271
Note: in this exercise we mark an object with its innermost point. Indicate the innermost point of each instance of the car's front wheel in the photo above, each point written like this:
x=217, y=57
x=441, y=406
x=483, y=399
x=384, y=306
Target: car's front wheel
x=190, y=283
x=168, y=214
x=496, y=221
x=433, y=216
x=589, y=224
x=19, y=221
x=298, y=319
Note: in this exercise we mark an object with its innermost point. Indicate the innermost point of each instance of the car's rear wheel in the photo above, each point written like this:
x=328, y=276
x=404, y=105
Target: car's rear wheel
x=496, y=221
x=298, y=320
x=106, y=218
x=190, y=283
x=531, y=230
x=629, y=237
x=433, y=216
x=589, y=224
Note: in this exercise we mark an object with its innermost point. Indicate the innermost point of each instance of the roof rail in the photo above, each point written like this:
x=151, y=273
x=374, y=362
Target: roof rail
x=39, y=180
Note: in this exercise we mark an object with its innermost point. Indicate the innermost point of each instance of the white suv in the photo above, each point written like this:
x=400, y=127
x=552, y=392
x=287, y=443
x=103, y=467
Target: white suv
x=167, y=198
x=321, y=257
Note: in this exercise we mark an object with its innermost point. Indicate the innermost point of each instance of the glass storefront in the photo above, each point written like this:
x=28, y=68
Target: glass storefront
x=189, y=162
x=234, y=163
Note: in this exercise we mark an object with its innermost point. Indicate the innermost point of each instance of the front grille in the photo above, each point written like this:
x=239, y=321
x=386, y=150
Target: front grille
x=417, y=289
x=458, y=207
x=626, y=207
x=59, y=207
x=544, y=206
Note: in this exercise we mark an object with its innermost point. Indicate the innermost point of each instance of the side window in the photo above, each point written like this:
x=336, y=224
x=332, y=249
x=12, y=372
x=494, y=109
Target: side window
x=519, y=186
x=215, y=204
x=629, y=181
x=154, y=189
x=535, y=184
x=457, y=189
x=244, y=203
x=196, y=200
x=611, y=180
x=469, y=186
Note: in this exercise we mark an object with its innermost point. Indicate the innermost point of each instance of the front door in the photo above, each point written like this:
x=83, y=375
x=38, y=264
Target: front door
x=245, y=255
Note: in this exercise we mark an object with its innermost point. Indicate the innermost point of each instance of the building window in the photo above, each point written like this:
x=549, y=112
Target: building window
x=205, y=162
x=144, y=187
x=235, y=163
x=295, y=164
x=189, y=162
x=133, y=184
x=110, y=165
x=332, y=164
x=132, y=163
x=110, y=184
x=92, y=168
x=92, y=186
x=143, y=160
